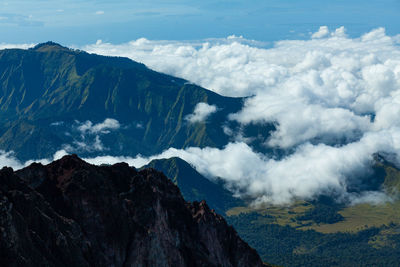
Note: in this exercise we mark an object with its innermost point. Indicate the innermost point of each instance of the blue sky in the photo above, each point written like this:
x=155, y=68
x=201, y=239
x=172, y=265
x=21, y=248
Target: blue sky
x=82, y=22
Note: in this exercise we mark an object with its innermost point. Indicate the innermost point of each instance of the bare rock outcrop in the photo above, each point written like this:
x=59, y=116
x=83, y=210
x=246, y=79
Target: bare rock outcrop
x=71, y=213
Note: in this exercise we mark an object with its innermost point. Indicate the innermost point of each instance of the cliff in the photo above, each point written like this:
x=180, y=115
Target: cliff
x=71, y=213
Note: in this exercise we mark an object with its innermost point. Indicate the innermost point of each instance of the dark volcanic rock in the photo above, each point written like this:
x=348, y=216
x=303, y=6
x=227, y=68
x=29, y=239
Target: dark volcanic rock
x=71, y=213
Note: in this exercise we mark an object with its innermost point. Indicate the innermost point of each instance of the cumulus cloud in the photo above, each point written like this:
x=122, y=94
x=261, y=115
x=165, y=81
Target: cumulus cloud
x=309, y=171
x=86, y=145
x=201, y=112
x=89, y=135
x=298, y=122
x=322, y=32
x=104, y=127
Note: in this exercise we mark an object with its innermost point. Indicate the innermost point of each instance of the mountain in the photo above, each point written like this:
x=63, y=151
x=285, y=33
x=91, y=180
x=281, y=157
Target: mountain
x=194, y=186
x=46, y=91
x=71, y=213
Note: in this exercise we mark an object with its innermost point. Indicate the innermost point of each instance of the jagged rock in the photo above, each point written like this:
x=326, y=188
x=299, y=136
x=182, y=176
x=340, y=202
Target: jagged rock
x=71, y=213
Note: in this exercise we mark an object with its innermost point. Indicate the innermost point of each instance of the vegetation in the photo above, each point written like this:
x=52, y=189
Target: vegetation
x=324, y=211
x=287, y=246
x=51, y=83
x=325, y=233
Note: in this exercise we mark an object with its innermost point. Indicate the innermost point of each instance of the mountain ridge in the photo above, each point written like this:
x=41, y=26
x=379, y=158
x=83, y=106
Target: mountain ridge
x=194, y=186
x=51, y=83
x=72, y=213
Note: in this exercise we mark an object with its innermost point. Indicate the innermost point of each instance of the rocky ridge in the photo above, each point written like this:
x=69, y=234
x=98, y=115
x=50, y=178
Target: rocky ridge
x=71, y=213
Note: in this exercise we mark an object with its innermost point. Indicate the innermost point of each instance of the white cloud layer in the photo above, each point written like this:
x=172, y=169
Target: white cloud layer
x=311, y=170
x=201, y=112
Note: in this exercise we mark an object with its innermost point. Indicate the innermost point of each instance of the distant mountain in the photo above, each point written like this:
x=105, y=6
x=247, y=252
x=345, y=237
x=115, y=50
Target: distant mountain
x=71, y=213
x=45, y=91
x=194, y=186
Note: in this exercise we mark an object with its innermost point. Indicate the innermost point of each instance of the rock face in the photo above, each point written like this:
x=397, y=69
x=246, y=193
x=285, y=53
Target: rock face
x=194, y=186
x=71, y=213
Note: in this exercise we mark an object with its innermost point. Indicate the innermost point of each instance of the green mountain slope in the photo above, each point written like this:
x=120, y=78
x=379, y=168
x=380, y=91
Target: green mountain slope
x=194, y=186
x=51, y=83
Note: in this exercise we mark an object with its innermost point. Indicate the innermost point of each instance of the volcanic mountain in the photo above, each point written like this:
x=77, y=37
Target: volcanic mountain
x=46, y=91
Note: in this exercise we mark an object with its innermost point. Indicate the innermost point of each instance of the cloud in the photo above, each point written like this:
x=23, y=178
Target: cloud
x=89, y=139
x=201, y=112
x=322, y=32
x=99, y=12
x=298, y=122
x=304, y=174
x=227, y=66
x=8, y=159
x=19, y=46
x=57, y=123
x=104, y=127
x=86, y=145
x=309, y=171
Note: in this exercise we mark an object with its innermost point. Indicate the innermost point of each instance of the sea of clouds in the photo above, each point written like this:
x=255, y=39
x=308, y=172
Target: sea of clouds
x=334, y=99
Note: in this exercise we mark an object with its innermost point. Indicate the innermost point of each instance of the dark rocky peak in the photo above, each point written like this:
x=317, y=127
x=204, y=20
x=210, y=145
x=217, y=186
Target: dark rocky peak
x=72, y=213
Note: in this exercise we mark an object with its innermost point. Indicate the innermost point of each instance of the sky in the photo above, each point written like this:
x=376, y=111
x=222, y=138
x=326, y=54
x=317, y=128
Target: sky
x=76, y=22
